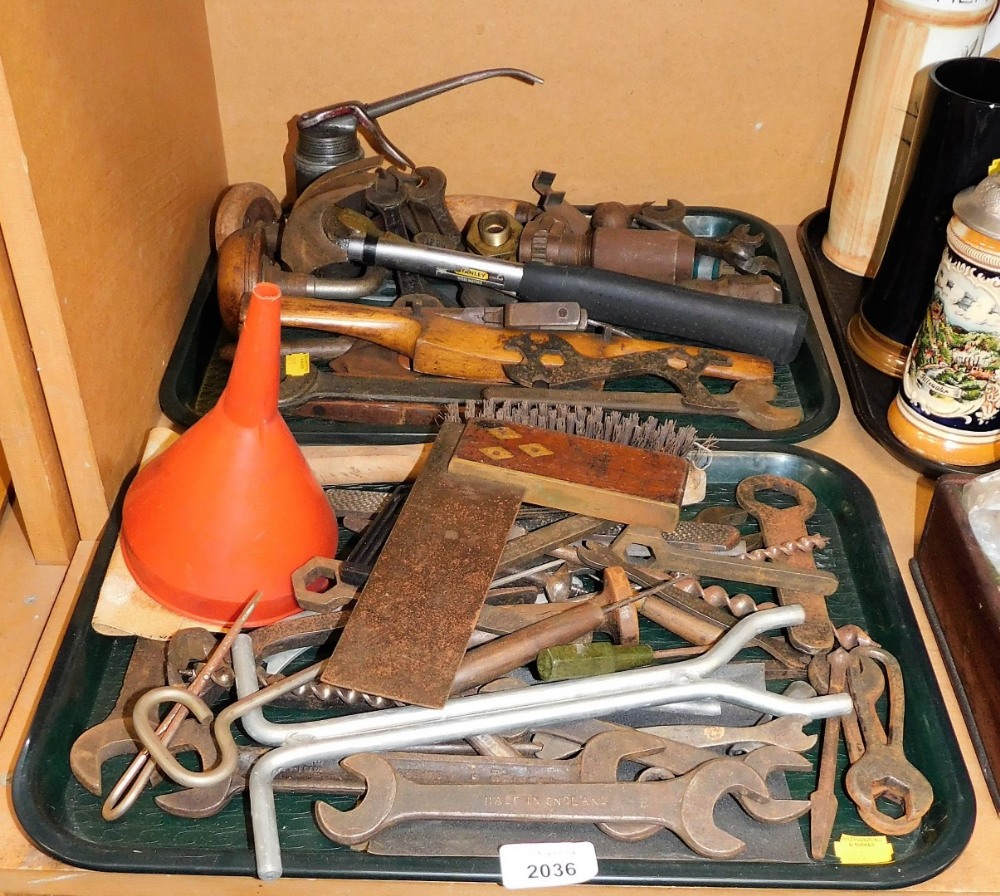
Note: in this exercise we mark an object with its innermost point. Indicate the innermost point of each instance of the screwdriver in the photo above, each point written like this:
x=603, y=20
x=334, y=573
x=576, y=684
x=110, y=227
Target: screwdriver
x=601, y=658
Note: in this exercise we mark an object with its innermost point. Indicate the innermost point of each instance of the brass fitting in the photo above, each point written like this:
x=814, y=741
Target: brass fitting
x=494, y=234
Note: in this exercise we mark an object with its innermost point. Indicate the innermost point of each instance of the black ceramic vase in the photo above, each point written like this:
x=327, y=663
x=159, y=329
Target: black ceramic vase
x=957, y=138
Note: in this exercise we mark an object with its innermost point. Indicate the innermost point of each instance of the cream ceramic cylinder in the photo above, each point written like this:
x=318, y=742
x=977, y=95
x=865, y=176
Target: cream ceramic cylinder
x=904, y=38
x=948, y=405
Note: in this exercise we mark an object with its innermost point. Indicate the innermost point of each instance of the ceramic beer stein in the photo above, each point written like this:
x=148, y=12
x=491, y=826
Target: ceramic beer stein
x=948, y=405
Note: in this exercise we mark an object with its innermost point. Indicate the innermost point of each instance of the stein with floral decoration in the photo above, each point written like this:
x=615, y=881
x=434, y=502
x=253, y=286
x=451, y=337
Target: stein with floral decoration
x=948, y=406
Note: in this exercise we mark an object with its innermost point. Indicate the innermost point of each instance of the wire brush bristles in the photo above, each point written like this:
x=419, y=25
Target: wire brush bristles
x=591, y=421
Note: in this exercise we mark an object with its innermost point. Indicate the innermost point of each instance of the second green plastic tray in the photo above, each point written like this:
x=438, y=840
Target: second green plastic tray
x=65, y=820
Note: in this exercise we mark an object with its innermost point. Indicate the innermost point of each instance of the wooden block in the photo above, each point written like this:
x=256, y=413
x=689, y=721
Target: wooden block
x=588, y=476
x=960, y=590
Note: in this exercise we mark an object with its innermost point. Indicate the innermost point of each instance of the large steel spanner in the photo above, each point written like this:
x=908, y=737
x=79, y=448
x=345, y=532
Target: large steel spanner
x=883, y=769
x=683, y=805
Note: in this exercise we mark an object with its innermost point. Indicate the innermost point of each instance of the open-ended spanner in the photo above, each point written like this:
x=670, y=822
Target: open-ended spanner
x=113, y=736
x=666, y=758
x=785, y=732
x=425, y=211
x=330, y=779
x=781, y=524
x=683, y=805
x=883, y=771
x=484, y=713
x=765, y=762
x=387, y=195
x=597, y=763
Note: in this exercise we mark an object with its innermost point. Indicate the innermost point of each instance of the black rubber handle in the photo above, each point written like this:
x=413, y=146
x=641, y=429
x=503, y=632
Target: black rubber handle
x=773, y=331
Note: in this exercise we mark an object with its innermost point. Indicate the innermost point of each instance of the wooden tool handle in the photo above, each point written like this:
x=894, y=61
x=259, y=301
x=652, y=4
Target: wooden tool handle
x=733, y=366
x=393, y=329
x=457, y=348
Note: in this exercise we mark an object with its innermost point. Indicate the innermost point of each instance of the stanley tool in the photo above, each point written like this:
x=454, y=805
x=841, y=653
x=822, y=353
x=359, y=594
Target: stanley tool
x=775, y=331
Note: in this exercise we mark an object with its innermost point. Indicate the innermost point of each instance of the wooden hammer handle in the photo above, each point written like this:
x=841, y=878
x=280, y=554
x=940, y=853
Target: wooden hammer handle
x=392, y=329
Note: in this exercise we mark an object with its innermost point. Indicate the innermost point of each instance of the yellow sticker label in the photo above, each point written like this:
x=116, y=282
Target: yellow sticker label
x=297, y=364
x=994, y=168
x=853, y=849
x=472, y=274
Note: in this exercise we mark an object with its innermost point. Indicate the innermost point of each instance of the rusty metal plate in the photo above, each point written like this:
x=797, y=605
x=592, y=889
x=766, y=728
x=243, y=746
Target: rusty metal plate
x=407, y=634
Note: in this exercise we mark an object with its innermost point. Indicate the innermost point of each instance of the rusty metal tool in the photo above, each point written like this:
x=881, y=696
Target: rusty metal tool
x=693, y=619
x=387, y=197
x=421, y=601
x=552, y=359
x=683, y=804
x=424, y=398
x=785, y=731
x=782, y=524
x=669, y=557
x=107, y=740
x=539, y=541
x=798, y=688
x=317, y=586
x=426, y=214
x=130, y=785
x=737, y=248
x=883, y=771
x=763, y=762
x=774, y=331
x=328, y=136
x=823, y=800
x=660, y=255
x=751, y=402
x=703, y=536
x=330, y=779
x=146, y=669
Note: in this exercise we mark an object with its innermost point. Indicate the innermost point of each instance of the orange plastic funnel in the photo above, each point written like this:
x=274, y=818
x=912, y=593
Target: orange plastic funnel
x=231, y=507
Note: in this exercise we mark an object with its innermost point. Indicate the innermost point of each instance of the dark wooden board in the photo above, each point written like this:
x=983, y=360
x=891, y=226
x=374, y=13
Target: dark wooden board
x=581, y=475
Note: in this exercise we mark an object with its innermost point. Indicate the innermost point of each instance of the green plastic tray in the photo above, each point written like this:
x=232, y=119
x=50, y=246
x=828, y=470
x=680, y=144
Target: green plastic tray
x=64, y=819
x=197, y=372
